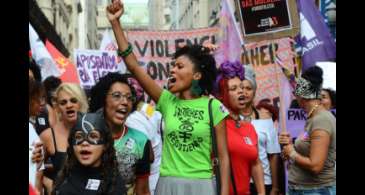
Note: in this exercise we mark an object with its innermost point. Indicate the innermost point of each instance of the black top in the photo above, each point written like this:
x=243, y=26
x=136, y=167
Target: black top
x=57, y=160
x=87, y=181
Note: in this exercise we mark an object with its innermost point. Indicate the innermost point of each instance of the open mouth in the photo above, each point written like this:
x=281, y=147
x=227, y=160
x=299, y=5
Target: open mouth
x=171, y=81
x=71, y=113
x=85, y=154
x=122, y=113
x=241, y=99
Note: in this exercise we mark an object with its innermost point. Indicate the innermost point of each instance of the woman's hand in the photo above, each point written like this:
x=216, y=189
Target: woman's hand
x=37, y=155
x=211, y=47
x=287, y=149
x=115, y=10
x=284, y=138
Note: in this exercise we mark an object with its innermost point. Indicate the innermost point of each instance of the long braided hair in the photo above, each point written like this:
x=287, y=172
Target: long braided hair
x=109, y=166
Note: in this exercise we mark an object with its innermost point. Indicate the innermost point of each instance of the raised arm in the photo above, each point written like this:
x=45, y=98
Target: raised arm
x=114, y=12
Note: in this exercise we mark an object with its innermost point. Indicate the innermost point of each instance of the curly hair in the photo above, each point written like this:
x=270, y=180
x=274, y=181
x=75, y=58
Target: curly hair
x=265, y=103
x=50, y=84
x=109, y=164
x=203, y=62
x=99, y=91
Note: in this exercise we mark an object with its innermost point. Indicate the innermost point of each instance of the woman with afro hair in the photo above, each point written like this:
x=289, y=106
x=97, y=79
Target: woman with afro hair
x=186, y=165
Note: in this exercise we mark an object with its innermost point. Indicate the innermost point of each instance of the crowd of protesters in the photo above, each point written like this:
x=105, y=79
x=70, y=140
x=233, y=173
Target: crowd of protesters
x=113, y=142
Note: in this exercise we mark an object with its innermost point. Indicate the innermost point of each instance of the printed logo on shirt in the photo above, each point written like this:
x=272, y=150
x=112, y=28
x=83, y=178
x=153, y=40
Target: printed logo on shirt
x=183, y=138
x=130, y=143
x=41, y=121
x=248, y=141
x=127, y=158
x=92, y=184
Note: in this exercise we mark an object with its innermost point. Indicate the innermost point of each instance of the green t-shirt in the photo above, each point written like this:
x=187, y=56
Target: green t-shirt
x=187, y=141
x=132, y=152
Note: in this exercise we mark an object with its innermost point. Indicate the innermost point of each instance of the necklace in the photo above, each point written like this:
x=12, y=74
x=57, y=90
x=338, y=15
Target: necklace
x=313, y=109
x=248, y=117
x=237, y=120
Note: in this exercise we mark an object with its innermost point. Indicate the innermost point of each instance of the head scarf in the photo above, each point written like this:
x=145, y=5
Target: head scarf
x=306, y=90
x=229, y=70
x=250, y=76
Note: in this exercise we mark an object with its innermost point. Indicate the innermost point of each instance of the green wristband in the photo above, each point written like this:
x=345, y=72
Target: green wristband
x=126, y=52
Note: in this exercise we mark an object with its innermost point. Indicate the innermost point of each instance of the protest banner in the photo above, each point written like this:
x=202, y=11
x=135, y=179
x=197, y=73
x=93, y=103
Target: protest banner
x=268, y=19
x=296, y=121
x=93, y=64
x=154, y=49
x=261, y=55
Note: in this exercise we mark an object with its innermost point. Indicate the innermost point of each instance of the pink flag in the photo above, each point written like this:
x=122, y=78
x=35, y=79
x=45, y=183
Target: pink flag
x=229, y=38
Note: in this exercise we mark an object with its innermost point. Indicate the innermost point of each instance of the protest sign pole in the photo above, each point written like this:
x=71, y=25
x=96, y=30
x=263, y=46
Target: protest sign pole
x=282, y=116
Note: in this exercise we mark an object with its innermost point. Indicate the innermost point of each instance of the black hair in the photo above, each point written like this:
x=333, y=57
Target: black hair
x=294, y=104
x=109, y=164
x=203, y=62
x=34, y=67
x=50, y=84
x=332, y=95
x=99, y=91
x=36, y=90
x=314, y=75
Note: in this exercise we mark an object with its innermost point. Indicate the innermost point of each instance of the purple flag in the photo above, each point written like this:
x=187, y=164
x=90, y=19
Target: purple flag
x=230, y=40
x=314, y=38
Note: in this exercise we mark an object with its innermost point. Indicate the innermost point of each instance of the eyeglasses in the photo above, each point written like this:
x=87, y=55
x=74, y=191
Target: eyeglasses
x=93, y=138
x=118, y=96
x=64, y=101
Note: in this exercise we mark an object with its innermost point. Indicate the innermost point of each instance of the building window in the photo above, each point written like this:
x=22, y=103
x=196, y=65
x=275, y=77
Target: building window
x=167, y=18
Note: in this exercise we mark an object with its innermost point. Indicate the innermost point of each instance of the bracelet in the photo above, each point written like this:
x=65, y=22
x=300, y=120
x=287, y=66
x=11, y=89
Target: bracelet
x=126, y=52
x=293, y=155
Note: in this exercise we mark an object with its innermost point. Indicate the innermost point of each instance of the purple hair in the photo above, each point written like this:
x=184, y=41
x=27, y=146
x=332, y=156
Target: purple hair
x=229, y=70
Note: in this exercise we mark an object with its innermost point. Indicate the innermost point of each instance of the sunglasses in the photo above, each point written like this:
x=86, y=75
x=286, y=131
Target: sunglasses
x=64, y=101
x=118, y=96
x=93, y=138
